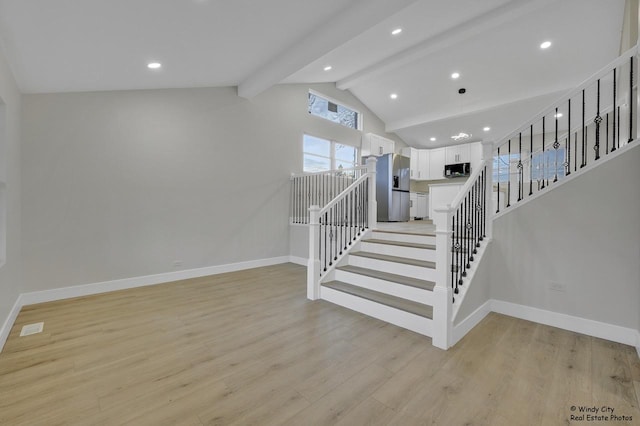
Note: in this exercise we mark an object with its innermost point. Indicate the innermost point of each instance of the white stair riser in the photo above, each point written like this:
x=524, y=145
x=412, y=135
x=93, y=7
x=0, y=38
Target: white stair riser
x=399, y=290
x=400, y=251
x=407, y=238
x=412, y=271
x=391, y=315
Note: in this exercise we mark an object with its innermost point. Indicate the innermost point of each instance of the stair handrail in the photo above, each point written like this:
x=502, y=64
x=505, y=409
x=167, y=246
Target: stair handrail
x=461, y=227
x=334, y=228
x=579, y=128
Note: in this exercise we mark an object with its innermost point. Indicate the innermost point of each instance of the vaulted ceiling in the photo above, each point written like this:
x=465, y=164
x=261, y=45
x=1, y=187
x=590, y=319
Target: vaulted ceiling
x=88, y=45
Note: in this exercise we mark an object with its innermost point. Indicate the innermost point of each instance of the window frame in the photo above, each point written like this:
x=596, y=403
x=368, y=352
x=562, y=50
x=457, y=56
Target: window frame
x=332, y=153
x=359, y=116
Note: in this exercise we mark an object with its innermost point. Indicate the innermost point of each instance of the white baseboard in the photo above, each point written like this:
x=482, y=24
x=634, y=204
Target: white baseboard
x=615, y=333
x=106, y=286
x=638, y=344
x=123, y=284
x=8, y=323
x=299, y=260
x=467, y=324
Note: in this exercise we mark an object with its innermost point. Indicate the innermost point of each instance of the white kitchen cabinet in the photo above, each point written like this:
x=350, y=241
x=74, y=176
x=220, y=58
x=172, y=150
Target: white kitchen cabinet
x=422, y=207
x=419, y=168
x=436, y=163
x=413, y=204
x=412, y=153
x=458, y=154
x=423, y=164
x=476, y=154
x=376, y=145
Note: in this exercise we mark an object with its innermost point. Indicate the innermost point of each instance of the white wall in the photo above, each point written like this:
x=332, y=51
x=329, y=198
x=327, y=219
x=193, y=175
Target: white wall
x=124, y=184
x=584, y=235
x=10, y=273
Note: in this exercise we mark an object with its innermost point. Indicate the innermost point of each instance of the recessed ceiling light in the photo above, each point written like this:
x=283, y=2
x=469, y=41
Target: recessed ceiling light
x=328, y=68
x=455, y=75
x=154, y=65
x=460, y=136
x=432, y=139
x=545, y=45
x=396, y=31
x=486, y=129
x=558, y=115
x=393, y=96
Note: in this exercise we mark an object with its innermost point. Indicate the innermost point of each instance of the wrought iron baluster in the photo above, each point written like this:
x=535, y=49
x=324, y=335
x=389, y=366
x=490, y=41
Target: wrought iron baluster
x=498, y=179
x=509, y=175
x=584, y=134
x=531, y=160
x=556, y=145
x=597, y=120
x=467, y=226
x=567, y=163
x=520, y=168
x=324, y=228
x=484, y=202
x=607, y=137
x=575, y=157
x=459, y=251
x=619, y=127
x=631, y=100
x=544, y=154
x=613, y=142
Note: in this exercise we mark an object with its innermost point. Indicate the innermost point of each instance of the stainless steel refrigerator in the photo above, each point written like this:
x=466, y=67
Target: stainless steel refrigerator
x=392, y=188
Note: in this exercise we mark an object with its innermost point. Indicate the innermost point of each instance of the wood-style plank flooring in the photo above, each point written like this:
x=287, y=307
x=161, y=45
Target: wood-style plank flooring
x=248, y=348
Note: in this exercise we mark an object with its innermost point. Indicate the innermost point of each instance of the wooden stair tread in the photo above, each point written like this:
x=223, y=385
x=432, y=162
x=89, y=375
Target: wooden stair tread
x=424, y=234
x=399, y=279
x=401, y=244
x=395, y=259
x=384, y=299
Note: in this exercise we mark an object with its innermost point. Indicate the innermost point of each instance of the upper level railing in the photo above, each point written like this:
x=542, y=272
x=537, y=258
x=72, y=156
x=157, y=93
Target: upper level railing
x=583, y=126
x=318, y=189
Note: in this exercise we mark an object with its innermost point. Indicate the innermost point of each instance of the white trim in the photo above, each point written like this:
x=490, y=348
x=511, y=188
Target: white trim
x=298, y=260
x=126, y=283
x=467, y=324
x=614, y=333
x=8, y=323
x=638, y=344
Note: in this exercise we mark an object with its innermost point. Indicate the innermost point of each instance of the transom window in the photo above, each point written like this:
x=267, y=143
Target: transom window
x=323, y=154
x=333, y=111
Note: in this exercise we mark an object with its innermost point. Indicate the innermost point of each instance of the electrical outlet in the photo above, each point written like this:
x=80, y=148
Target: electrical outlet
x=556, y=286
x=177, y=263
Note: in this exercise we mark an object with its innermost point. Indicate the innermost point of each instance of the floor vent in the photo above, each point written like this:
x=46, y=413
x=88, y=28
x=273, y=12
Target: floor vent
x=30, y=329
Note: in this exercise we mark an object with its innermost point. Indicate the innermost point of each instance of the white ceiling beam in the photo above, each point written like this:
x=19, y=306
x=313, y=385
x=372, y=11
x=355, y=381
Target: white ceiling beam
x=422, y=119
x=450, y=37
x=341, y=28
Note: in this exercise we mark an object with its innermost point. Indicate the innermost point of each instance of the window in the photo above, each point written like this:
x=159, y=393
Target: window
x=322, y=154
x=544, y=166
x=333, y=111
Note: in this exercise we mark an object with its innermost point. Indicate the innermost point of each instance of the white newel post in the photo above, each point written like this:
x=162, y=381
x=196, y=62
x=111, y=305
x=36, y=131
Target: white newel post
x=373, y=205
x=313, y=265
x=442, y=292
x=487, y=157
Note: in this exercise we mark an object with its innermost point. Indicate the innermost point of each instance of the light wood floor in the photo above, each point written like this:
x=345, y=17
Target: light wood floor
x=248, y=348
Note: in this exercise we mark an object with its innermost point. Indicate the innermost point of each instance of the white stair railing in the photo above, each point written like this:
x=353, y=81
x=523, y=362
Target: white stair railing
x=334, y=228
x=318, y=189
x=461, y=228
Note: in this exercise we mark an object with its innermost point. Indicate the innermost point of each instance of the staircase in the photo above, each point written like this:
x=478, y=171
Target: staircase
x=389, y=275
